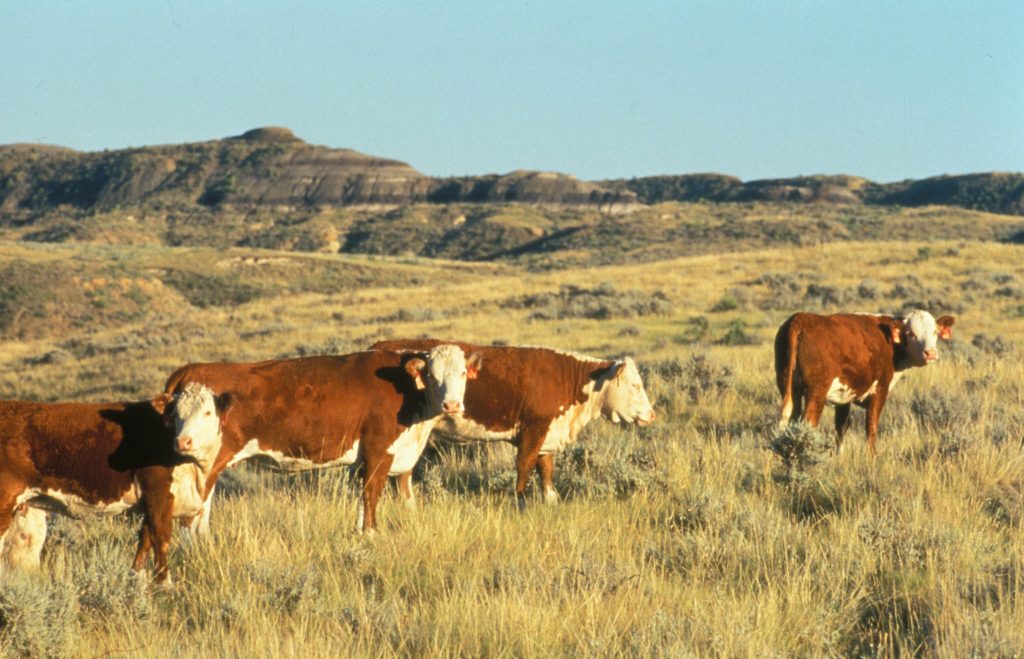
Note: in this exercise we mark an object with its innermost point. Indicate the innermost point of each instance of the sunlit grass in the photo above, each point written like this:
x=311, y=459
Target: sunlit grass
x=680, y=539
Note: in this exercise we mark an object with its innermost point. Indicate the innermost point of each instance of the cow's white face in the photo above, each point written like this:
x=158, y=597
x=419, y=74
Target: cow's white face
x=196, y=415
x=922, y=332
x=443, y=376
x=624, y=396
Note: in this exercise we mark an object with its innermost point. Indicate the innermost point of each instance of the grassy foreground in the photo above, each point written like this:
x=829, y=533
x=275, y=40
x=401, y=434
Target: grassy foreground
x=685, y=538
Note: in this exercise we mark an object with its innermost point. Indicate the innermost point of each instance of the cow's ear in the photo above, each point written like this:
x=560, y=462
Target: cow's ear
x=945, y=324
x=224, y=401
x=160, y=402
x=473, y=364
x=896, y=330
x=414, y=367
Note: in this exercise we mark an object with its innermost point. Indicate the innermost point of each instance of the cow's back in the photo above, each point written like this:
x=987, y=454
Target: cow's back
x=310, y=406
x=854, y=347
x=91, y=450
x=517, y=384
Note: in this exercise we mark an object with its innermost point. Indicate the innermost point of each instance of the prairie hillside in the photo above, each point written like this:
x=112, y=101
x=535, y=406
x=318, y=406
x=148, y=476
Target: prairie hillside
x=688, y=537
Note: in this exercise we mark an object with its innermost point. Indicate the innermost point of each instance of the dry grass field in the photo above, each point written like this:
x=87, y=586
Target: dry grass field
x=686, y=538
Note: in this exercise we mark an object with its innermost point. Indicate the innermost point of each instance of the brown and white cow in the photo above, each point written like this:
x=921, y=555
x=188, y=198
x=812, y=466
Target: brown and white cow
x=81, y=458
x=539, y=399
x=846, y=359
x=374, y=408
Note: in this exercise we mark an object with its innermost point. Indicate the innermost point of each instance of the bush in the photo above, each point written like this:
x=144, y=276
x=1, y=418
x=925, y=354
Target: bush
x=799, y=446
x=598, y=303
x=37, y=616
x=696, y=330
x=698, y=376
x=736, y=335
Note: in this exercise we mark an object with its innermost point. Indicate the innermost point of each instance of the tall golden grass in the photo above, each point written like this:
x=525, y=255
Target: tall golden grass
x=684, y=538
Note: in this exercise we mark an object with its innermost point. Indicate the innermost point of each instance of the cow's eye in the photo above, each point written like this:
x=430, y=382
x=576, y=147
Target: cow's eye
x=208, y=413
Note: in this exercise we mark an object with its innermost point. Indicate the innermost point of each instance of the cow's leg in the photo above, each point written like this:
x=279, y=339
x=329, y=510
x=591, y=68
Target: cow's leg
x=160, y=528
x=375, y=477
x=815, y=404
x=142, y=549
x=546, y=472
x=842, y=422
x=528, y=451
x=404, y=482
x=874, y=412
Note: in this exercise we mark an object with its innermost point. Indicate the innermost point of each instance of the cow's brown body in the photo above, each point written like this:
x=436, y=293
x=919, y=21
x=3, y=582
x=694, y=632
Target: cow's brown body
x=842, y=359
x=517, y=397
x=310, y=412
x=77, y=457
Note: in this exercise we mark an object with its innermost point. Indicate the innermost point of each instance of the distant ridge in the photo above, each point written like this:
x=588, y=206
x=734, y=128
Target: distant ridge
x=271, y=166
x=263, y=166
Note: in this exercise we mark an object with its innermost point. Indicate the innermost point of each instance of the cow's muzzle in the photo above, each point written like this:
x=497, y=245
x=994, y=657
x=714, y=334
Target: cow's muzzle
x=452, y=407
x=931, y=355
x=647, y=420
x=184, y=444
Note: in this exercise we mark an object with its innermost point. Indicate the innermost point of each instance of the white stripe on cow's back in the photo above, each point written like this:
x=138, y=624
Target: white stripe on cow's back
x=561, y=351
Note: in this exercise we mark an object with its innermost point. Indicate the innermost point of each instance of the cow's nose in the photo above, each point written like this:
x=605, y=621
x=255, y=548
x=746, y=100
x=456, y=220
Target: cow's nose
x=452, y=407
x=184, y=444
x=931, y=354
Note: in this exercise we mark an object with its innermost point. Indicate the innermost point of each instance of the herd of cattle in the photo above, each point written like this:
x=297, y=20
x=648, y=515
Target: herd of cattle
x=376, y=410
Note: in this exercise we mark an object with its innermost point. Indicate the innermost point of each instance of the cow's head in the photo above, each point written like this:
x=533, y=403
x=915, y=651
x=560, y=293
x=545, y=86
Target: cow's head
x=920, y=333
x=623, y=395
x=196, y=414
x=442, y=374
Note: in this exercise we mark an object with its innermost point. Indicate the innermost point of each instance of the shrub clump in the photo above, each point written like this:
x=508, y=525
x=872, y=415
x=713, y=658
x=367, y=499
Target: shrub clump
x=698, y=376
x=799, y=446
x=599, y=303
x=38, y=617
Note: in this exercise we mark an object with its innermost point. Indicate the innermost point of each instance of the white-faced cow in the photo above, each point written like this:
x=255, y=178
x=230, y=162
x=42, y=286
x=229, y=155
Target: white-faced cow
x=539, y=399
x=81, y=458
x=23, y=542
x=374, y=408
x=847, y=359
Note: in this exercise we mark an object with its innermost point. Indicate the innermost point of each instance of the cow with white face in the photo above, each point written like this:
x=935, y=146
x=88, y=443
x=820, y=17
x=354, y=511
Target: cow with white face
x=196, y=415
x=445, y=369
x=850, y=359
x=921, y=332
x=624, y=398
x=539, y=399
x=374, y=409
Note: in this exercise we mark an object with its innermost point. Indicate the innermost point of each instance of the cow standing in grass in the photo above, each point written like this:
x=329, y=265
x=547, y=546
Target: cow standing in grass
x=539, y=399
x=81, y=458
x=373, y=408
x=846, y=359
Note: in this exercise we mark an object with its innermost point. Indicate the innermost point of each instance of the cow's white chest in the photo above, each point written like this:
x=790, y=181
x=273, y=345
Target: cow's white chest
x=564, y=429
x=408, y=448
x=286, y=462
x=187, y=485
x=841, y=394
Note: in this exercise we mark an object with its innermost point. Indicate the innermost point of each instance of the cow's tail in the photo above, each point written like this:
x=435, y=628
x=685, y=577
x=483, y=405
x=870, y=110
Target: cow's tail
x=785, y=366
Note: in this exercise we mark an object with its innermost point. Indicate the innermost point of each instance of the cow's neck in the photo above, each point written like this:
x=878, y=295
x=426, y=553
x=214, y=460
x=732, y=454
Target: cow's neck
x=900, y=361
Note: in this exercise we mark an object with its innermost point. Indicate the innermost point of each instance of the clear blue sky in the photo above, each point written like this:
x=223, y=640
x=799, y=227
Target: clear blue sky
x=885, y=89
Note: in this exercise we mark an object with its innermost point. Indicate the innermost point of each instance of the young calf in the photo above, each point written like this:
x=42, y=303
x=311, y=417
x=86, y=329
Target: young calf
x=80, y=458
x=847, y=359
x=375, y=408
x=539, y=399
